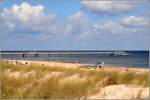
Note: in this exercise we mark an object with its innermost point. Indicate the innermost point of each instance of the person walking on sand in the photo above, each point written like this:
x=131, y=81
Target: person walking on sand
x=102, y=64
x=76, y=62
x=98, y=65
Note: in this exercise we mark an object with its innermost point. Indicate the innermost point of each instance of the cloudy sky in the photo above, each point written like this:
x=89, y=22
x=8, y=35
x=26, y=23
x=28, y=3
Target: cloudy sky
x=74, y=25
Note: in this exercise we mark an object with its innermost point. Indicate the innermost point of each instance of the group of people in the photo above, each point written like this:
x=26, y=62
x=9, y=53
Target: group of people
x=16, y=62
x=100, y=65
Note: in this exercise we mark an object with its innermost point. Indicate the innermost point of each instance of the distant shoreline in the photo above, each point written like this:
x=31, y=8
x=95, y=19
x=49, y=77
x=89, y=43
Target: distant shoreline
x=105, y=65
x=73, y=65
x=135, y=59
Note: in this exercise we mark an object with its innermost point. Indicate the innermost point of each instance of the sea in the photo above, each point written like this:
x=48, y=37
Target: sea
x=138, y=59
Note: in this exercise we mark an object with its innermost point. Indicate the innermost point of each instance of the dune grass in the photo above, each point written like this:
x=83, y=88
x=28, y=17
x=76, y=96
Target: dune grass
x=42, y=82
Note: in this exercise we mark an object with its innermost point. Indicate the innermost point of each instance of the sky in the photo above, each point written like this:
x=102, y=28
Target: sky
x=74, y=25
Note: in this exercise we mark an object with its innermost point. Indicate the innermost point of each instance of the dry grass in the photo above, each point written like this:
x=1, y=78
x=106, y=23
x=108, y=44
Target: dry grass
x=37, y=81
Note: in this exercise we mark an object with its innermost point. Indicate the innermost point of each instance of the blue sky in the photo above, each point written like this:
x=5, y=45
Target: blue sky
x=74, y=25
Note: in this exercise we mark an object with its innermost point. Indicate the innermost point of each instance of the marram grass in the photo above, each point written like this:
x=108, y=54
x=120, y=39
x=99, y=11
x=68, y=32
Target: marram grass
x=42, y=82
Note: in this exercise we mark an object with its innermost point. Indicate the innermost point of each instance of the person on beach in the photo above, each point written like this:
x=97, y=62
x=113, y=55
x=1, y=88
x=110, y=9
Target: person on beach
x=76, y=62
x=100, y=65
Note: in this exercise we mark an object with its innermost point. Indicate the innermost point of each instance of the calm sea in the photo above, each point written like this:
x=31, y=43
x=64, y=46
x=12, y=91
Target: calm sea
x=135, y=59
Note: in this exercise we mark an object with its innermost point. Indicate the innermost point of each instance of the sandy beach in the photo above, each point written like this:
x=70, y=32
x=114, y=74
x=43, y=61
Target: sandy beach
x=74, y=65
x=44, y=63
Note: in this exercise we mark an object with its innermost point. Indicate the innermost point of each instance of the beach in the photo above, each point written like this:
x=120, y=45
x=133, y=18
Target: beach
x=74, y=65
x=136, y=59
x=74, y=49
x=72, y=80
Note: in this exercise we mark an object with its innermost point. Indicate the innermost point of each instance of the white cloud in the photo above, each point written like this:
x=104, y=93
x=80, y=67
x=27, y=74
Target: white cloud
x=110, y=7
x=115, y=29
x=24, y=12
x=68, y=29
x=78, y=16
x=26, y=19
x=76, y=23
x=79, y=27
x=134, y=21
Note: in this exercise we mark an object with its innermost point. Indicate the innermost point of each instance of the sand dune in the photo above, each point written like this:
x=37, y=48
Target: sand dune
x=77, y=78
x=121, y=92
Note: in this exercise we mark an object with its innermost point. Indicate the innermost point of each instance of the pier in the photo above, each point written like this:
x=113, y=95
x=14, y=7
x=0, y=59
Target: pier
x=57, y=53
x=37, y=53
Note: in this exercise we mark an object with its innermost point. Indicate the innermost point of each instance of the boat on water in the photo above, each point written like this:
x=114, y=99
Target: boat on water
x=120, y=53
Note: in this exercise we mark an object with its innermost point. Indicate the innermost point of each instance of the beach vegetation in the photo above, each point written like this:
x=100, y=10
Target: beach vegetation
x=43, y=82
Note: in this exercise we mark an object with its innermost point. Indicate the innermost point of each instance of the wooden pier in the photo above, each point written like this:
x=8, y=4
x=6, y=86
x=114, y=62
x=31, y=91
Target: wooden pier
x=37, y=53
x=57, y=53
